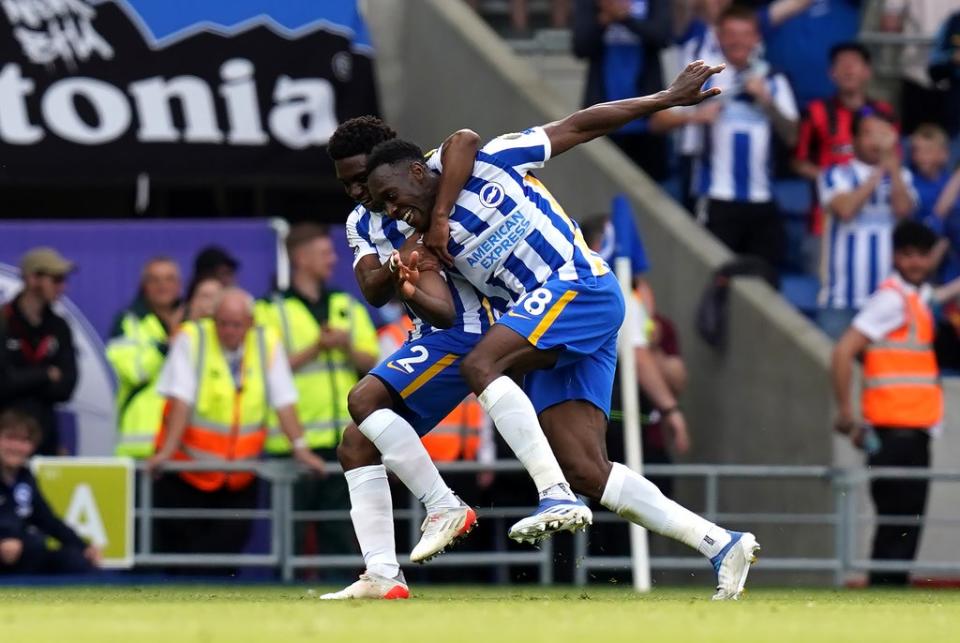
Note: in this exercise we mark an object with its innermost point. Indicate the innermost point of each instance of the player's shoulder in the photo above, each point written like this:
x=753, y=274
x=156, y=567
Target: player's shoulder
x=356, y=214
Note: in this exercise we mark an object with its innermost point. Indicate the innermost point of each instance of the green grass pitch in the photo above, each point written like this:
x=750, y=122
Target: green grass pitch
x=186, y=614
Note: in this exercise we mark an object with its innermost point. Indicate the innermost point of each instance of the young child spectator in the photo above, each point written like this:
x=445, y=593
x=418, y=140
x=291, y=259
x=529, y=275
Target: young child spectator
x=826, y=135
x=26, y=520
x=863, y=199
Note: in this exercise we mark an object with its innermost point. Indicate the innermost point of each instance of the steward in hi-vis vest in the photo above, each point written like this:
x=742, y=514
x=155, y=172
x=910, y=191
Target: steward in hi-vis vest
x=902, y=400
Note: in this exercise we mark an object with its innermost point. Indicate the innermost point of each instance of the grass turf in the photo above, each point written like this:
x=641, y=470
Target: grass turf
x=184, y=614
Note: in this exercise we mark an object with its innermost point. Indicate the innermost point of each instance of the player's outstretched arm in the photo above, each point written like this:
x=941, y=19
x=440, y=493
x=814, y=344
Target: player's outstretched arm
x=603, y=118
x=457, y=155
x=423, y=289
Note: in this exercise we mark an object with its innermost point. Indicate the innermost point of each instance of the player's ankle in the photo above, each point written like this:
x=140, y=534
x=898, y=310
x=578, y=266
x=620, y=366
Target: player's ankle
x=558, y=491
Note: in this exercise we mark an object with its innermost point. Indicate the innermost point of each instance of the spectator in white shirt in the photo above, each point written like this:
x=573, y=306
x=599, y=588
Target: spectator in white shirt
x=863, y=199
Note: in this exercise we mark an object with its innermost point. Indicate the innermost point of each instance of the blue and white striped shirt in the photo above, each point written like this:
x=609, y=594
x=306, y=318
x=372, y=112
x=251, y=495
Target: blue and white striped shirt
x=508, y=235
x=372, y=233
x=857, y=254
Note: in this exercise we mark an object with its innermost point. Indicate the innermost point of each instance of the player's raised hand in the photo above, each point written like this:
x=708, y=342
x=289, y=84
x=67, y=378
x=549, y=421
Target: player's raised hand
x=436, y=237
x=687, y=88
x=408, y=274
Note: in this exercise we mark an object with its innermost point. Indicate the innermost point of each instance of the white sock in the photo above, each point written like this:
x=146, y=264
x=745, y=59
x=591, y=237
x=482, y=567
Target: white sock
x=631, y=496
x=404, y=454
x=516, y=420
x=371, y=510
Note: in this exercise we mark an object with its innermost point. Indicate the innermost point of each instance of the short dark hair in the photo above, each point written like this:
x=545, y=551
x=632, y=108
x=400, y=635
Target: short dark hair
x=739, y=12
x=392, y=152
x=868, y=112
x=593, y=227
x=304, y=233
x=358, y=136
x=913, y=234
x=13, y=419
x=852, y=47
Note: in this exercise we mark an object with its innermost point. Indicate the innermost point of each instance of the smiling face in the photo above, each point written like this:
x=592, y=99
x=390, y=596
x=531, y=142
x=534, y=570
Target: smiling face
x=352, y=174
x=407, y=190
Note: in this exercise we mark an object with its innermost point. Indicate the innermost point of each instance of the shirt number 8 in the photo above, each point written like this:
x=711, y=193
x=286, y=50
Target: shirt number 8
x=537, y=301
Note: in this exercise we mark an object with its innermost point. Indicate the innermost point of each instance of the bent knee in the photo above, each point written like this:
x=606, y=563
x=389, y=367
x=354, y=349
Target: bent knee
x=368, y=395
x=478, y=370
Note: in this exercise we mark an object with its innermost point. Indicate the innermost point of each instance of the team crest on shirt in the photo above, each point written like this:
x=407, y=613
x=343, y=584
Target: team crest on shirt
x=491, y=194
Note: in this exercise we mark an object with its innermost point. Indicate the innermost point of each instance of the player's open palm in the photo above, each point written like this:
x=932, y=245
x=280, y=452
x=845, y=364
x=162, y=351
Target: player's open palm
x=687, y=88
x=409, y=274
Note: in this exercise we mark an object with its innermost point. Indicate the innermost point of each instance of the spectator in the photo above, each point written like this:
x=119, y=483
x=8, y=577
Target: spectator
x=520, y=18
x=220, y=379
x=921, y=101
x=202, y=298
x=800, y=48
x=136, y=351
x=622, y=40
x=902, y=400
x=863, y=198
x=41, y=363
x=945, y=68
x=331, y=343
x=929, y=161
x=735, y=175
x=826, y=136
x=26, y=520
x=214, y=261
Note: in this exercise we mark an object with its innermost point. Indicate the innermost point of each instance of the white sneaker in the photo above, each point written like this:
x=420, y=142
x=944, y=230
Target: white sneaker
x=732, y=565
x=552, y=515
x=441, y=530
x=373, y=586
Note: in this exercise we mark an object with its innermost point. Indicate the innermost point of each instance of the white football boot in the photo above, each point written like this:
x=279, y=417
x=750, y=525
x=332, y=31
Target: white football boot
x=441, y=530
x=372, y=586
x=553, y=515
x=732, y=565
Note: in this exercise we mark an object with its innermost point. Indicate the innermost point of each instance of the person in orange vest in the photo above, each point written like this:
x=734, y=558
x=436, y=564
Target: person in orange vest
x=902, y=401
x=221, y=378
x=458, y=436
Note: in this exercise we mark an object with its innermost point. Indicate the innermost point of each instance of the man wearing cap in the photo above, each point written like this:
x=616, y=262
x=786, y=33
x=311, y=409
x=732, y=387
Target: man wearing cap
x=41, y=367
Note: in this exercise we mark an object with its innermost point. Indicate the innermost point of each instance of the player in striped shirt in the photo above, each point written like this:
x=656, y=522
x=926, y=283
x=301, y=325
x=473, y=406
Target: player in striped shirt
x=510, y=238
x=419, y=384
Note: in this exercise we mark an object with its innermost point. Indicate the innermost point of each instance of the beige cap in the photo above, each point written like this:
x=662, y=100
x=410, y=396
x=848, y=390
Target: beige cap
x=45, y=260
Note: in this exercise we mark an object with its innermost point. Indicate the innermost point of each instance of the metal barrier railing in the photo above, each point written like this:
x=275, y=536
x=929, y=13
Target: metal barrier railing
x=845, y=520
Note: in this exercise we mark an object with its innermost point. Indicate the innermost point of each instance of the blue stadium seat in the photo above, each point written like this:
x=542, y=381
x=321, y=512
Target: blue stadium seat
x=793, y=197
x=801, y=291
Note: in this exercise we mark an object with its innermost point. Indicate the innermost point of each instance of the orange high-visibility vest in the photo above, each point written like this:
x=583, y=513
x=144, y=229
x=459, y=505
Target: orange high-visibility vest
x=457, y=437
x=901, y=386
x=228, y=419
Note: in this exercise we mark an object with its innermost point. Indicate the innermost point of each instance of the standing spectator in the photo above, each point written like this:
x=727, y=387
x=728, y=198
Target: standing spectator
x=863, y=199
x=26, y=520
x=735, y=167
x=220, y=380
x=902, y=400
x=800, y=47
x=136, y=351
x=40, y=358
x=826, y=133
x=622, y=40
x=944, y=68
x=921, y=101
x=214, y=261
x=202, y=298
x=331, y=342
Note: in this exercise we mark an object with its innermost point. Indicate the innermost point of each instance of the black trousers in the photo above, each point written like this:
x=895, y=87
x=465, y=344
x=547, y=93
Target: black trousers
x=748, y=228
x=37, y=558
x=201, y=535
x=898, y=498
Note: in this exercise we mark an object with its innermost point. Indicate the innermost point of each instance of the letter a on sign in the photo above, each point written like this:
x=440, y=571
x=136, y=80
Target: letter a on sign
x=84, y=516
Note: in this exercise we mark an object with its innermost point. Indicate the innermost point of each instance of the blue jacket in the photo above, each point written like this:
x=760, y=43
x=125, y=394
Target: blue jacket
x=24, y=512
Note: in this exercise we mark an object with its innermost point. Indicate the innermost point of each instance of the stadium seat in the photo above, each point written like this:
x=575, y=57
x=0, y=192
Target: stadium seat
x=801, y=291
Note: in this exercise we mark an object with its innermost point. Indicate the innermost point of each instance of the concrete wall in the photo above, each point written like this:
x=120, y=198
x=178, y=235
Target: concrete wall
x=763, y=400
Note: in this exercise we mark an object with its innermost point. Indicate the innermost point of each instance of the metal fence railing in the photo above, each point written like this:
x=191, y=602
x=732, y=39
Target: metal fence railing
x=846, y=520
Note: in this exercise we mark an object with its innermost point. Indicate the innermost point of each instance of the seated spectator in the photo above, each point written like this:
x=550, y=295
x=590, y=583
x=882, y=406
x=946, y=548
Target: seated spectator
x=800, y=47
x=138, y=346
x=863, y=199
x=945, y=68
x=622, y=41
x=214, y=261
x=826, y=136
x=26, y=520
x=41, y=366
x=921, y=100
x=520, y=18
x=735, y=174
x=202, y=298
